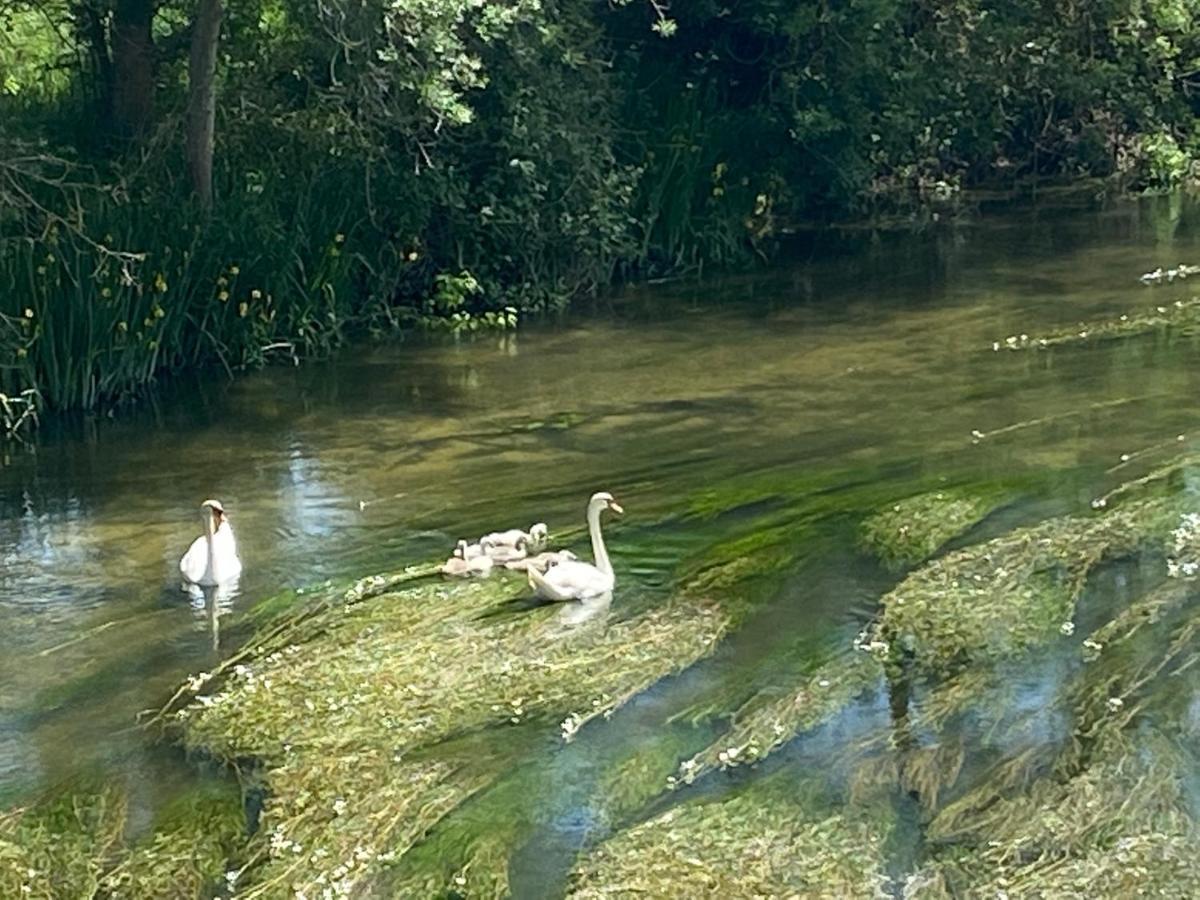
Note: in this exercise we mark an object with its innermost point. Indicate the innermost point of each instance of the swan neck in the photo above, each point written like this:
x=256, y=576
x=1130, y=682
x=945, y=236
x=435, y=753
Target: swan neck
x=210, y=527
x=599, y=551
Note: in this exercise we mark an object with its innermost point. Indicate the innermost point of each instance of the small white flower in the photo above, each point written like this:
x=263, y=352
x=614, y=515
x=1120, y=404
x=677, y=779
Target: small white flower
x=570, y=727
x=1115, y=703
x=1067, y=628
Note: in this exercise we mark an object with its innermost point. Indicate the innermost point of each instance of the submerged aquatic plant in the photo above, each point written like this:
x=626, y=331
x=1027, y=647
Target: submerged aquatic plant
x=1181, y=317
x=763, y=843
x=773, y=717
x=1118, y=828
x=71, y=844
x=912, y=530
x=373, y=721
x=60, y=846
x=998, y=598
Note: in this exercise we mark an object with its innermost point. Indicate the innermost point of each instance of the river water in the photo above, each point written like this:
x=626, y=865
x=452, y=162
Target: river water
x=863, y=356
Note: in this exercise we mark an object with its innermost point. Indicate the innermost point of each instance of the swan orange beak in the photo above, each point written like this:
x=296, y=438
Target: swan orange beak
x=616, y=507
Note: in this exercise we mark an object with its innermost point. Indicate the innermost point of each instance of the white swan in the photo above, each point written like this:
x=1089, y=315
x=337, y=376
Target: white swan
x=460, y=565
x=502, y=554
x=576, y=580
x=536, y=537
x=212, y=559
x=469, y=551
x=542, y=561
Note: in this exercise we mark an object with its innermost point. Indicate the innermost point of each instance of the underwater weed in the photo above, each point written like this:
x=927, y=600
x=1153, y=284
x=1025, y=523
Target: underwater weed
x=372, y=721
x=913, y=529
x=772, y=718
x=62, y=845
x=1181, y=318
x=764, y=842
x=998, y=598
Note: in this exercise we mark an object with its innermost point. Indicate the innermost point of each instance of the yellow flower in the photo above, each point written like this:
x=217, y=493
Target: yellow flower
x=160, y=283
x=122, y=327
x=233, y=270
x=223, y=296
x=256, y=294
x=243, y=308
x=412, y=256
x=28, y=313
x=339, y=238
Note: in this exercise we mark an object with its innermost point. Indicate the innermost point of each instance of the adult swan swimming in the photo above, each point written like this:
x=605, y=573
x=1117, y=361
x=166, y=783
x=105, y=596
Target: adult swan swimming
x=574, y=579
x=212, y=559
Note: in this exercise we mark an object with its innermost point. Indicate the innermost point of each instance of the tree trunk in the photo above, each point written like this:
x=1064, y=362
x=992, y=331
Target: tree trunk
x=92, y=35
x=133, y=66
x=202, y=98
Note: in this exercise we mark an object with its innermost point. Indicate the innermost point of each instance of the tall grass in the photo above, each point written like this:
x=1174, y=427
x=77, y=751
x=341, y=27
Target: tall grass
x=91, y=315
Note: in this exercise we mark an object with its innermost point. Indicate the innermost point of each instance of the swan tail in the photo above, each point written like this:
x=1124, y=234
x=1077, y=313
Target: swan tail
x=544, y=588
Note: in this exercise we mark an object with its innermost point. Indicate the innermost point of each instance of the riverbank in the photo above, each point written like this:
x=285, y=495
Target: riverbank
x=302, y=304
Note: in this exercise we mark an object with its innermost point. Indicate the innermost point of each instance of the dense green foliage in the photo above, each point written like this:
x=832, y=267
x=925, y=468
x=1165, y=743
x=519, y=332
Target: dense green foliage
x=459, y=162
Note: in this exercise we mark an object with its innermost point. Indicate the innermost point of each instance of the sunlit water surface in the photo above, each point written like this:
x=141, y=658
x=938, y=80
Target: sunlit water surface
x=863, y=357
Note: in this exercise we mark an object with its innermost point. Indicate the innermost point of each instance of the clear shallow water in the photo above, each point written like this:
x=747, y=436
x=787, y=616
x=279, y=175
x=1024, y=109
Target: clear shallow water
x=864, y=364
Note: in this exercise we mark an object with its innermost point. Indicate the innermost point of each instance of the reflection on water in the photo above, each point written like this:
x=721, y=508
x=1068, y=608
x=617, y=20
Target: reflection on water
x=872, y=354
x=209, y=604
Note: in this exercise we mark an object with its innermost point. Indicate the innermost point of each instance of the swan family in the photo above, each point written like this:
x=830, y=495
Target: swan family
x=212, y=560
x=553, y=574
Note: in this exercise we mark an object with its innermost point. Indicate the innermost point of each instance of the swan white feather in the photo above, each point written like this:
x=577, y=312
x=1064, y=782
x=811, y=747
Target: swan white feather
x=574, y=579
x=537, y=536
x=463, y=565
x=213, y=558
